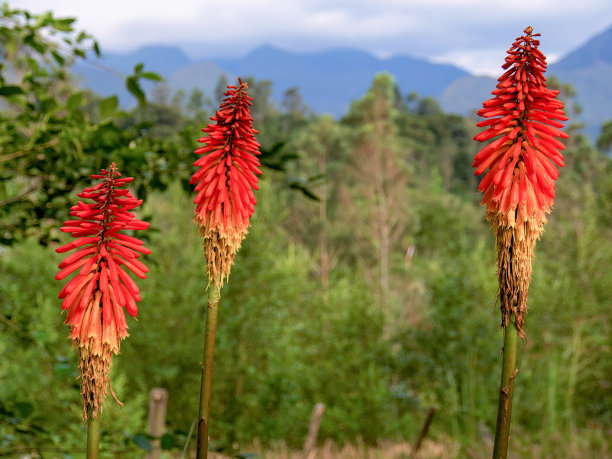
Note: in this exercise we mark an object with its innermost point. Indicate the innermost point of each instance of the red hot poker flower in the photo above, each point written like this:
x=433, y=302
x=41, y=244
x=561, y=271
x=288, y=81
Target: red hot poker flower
x=225, y=181
x=96, y=295
x=524, y=119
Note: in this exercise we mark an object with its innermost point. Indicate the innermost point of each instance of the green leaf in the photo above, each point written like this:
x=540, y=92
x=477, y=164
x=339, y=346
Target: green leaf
x=143, y=442
x=10, y=90
x=96, y=48
x=167, y=441
x=151, y=76
x=41, y=337
x=134, y=87
x=64, y=24
x=24, y=409
x=48, y=105
x=31, y=41
x=74, y=101
x=44, y=19
x=138, y=67
x=296, y=185
x=63, y=370
x=108, y=106
x=58, y=57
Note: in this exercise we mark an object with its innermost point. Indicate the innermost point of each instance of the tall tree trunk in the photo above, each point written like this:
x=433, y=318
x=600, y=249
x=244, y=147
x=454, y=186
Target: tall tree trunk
x=323, y=237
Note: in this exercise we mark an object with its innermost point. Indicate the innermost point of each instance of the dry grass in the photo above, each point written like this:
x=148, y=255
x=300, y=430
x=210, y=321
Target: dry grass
x=386, y=450
x=441, y=449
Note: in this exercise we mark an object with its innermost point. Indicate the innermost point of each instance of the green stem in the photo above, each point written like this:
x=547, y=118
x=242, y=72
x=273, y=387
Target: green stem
x=93, y=435
x=207, y=371
x=506, y=391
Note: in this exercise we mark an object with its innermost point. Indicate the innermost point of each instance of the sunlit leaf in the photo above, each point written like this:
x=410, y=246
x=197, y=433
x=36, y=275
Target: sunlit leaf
x=133, y=86
x=151, y=76
x=108, y=106
x=74, y=100
x=64, y=24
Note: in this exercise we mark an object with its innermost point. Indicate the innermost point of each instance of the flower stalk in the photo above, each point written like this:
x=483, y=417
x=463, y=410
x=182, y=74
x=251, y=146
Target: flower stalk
x=506, y=391
x=93, y=437
x=225, y=201
x=523, y=124
x=207, y=368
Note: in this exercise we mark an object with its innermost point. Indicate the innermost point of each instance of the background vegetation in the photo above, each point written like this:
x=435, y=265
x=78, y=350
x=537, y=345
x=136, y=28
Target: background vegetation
x=367, y=281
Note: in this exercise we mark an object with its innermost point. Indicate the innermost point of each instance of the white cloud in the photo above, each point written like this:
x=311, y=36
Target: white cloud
x=481, y=62
x=471, y=33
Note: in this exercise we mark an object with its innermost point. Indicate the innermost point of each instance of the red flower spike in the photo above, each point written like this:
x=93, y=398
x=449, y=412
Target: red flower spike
x=225, y=180
x=524, y=119
x=96, y=295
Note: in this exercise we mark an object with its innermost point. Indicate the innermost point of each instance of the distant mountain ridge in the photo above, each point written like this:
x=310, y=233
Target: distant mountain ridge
x=330, y=80
x=105, y=76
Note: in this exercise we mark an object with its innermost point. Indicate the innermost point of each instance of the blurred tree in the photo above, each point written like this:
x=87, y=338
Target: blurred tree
x=604, y=141
x=292, y=102
x=161, y=93
x=322, y=148
x=380, y=176
x=261, y=91
x=195, y=105
x=220, y=89
x=178, y=99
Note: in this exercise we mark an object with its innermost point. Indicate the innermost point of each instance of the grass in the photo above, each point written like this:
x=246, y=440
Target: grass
x=591, y=444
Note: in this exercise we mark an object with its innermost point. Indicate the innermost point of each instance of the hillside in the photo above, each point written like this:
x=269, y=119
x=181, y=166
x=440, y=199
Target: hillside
x=330, y=80
x=105, y=76
x=589, y=70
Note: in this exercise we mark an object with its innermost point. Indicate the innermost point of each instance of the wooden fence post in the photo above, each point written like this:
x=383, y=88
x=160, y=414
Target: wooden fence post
x=158, y=402
x=423, y=433
x=313, y=430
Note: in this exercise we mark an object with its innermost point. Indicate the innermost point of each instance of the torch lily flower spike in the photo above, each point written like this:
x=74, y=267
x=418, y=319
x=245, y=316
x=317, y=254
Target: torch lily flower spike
x=523, y=120
x=225, y=181
x=96, y=295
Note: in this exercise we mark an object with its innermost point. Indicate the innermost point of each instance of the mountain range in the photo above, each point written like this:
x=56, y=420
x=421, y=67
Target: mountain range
x=329, y=81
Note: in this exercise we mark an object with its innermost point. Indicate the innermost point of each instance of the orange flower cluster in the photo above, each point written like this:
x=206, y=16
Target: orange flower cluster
x=96, y=295
x=225, y=181
x=525, y=118
x=524, y=121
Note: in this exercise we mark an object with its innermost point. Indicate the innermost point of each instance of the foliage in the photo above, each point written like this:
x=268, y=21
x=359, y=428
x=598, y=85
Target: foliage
x=301, y=321
x=604, y=141
x=52, y=135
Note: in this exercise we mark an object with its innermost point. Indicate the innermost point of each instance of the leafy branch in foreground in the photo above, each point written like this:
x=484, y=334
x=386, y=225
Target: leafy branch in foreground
x=51, y=133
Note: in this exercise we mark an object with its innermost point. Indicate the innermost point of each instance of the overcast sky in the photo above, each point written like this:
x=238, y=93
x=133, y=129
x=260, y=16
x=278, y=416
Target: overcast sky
x=473, y=34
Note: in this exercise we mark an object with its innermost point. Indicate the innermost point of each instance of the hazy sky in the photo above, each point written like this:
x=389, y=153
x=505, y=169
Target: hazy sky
x=473, y=34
